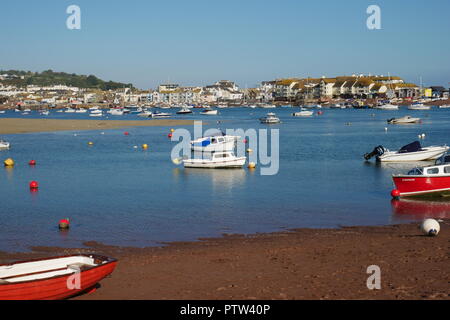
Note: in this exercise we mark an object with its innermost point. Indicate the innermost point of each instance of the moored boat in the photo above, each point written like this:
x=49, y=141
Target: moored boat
x=4, y=144
x=270, y=118
x=419, y=106
x=410, y=152
x=214, y=143
x=158, y=114
x=53, y=278
x=403, y=120
x=209, y=112
x=429, y=181
x=303, y=113
x=216, y=160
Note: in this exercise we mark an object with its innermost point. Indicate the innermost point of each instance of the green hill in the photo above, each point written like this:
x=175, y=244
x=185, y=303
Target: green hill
x=49, y=78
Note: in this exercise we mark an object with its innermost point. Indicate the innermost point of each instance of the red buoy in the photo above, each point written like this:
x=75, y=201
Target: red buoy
x=126, y=133
x=64, y=224
x=395, y=193
x=244, y=141
x=319, y=113
x=169, y=135
x=32, y=162
x=34, y=185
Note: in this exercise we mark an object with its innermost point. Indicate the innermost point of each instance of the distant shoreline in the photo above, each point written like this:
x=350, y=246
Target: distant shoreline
x=16, y=125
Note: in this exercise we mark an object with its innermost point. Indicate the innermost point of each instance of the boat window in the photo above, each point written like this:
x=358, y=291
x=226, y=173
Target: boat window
x=415, y=172
x=447, y=169
x=433, y=171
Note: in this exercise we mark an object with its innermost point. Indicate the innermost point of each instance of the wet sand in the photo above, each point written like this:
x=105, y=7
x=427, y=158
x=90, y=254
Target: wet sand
x=15, y=125
x=298, y=264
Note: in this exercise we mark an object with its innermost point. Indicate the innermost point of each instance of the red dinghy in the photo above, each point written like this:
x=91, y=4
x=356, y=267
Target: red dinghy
x=425, y=182
x=53, y=278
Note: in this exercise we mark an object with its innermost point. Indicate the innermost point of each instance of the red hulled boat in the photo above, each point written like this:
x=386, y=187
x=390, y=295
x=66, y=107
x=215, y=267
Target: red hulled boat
x=53, y=278
x=429, y=181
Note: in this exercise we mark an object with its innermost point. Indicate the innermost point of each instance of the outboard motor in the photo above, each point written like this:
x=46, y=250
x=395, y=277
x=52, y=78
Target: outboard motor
x=378, y=151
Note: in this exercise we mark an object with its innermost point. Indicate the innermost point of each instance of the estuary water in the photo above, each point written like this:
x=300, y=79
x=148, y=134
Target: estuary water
x=117, y=194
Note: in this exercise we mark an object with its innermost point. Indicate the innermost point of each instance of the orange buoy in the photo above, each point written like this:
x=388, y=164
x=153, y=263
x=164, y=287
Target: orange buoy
x=64, y=223
x=34, y=185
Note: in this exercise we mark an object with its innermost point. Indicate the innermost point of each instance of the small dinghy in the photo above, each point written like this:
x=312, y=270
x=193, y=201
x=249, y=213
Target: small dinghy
x=217, y=160
x=411, y=152
x=53, y=278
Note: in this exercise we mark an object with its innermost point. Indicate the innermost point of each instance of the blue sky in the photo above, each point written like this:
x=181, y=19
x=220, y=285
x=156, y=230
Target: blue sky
x=198, y=42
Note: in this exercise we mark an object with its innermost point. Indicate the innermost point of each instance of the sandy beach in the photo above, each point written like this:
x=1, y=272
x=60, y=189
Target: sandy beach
x=298, y=264
x=15, y=125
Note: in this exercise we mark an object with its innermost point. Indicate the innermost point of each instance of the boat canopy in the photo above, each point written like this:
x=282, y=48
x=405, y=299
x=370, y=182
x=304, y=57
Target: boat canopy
x=412, y=147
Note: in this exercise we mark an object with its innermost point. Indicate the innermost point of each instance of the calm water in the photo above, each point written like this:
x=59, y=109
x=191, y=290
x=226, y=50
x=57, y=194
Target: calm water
x=119, y=195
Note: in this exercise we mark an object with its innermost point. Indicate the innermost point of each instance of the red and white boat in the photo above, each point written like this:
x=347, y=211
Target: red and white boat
x=53, y=278
x=429, y=181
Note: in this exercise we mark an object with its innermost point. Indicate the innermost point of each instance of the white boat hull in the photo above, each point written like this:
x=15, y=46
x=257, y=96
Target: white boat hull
x=430, y=153
x=214, y=164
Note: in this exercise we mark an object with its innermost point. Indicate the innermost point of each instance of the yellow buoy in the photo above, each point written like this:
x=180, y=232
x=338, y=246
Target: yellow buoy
x=90, y=143
x=144, y=146
x=252, y=165
x=172, y=130
x=9, y=162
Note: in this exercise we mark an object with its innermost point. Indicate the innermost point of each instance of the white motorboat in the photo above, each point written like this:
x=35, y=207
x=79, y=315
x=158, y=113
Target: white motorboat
x=184, y=110
x=411, y=152
x=45, y=113
x=214, y=143
x=445, y=106
x=387, y=106
x=145, y=114
x=303, y=113
x=216, y=160
x=95, y=114
x=419, y=106
x=267, y=106
x=403, y=120
x=80, y=111
x=160, y=115
x=4, y=144
x=209, y=112
x=271, y=118
x=69, y=110
x=96, y=111
x=2, y=111
x=116, y=112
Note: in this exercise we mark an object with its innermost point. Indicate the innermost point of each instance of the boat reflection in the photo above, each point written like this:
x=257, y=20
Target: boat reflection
x=220, y=178
x=408, y=209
